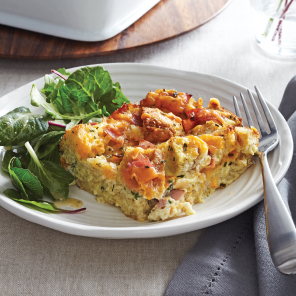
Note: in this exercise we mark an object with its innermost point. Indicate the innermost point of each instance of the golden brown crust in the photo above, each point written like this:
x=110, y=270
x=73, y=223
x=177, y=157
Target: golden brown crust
x=160, y=126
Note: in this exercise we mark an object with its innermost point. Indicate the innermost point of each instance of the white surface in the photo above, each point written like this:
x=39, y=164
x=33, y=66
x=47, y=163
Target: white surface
x=88, y=20
x=37, y=260
x=106, y=221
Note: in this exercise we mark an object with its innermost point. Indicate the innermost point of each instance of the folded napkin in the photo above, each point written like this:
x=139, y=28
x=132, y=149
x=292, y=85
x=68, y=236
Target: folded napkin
x=232, y=258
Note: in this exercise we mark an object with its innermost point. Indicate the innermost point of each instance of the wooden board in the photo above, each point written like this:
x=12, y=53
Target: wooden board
x=166, y=20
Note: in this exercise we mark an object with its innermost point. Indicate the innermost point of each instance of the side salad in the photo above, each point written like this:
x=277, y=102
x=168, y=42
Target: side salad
x=32, y=141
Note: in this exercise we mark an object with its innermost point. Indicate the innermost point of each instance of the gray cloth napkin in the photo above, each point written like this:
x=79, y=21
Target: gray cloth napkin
x=232, y=258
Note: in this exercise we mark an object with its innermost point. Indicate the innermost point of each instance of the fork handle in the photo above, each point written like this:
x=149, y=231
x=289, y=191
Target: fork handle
x=281, y=234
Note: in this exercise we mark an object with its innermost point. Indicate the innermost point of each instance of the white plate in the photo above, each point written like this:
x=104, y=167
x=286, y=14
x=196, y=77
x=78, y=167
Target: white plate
x=106, y=221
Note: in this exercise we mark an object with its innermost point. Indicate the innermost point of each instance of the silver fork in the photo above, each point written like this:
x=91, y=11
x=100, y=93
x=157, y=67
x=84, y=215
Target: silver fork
x=281, y=233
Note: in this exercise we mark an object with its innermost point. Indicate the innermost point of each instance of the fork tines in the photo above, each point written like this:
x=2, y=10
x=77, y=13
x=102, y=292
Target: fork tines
x=260, y=121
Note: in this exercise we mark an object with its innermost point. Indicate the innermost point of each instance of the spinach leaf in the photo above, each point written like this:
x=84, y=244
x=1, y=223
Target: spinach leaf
x=9, y=154
x=35, y=205
x=46, y=146
x=52, y=176
x=24, y=180
x=16, y=182
x=40, y=205
x=22, y=156
x=20, y=125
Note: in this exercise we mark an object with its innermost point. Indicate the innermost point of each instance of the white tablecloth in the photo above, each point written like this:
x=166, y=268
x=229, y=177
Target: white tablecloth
x=39, y=261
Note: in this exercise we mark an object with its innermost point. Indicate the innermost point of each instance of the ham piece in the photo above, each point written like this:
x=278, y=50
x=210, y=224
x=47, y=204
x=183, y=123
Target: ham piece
x=146, y=144
x=200, y=116
x=140, y=170
x=177, y=194
x=161, y=203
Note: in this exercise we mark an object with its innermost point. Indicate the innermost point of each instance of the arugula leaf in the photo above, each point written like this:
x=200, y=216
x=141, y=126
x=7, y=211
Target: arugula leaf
x=37, y=100
x=52, y=90
x=51, y=85
x=120, y=98
x=20, y=125
x=52, y=176
x=88, y=92
x=24, y=180
x=46, y=146
x=39, y=205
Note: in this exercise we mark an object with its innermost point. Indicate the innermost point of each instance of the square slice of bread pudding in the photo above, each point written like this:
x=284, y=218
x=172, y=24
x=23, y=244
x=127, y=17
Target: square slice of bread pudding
x=156, y=159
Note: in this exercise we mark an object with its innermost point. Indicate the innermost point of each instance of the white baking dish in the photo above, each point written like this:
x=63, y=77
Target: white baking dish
x=84, y=20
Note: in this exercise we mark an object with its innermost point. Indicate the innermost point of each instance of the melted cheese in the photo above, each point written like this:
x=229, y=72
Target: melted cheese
x=215, y=143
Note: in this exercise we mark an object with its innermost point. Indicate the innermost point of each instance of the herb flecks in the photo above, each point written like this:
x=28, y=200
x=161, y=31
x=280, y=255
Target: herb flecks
x=136, y=195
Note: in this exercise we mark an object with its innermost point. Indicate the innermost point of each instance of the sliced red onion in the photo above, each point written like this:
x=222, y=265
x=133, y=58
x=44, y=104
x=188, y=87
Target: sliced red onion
x=59, y=74
x=74, y=211
x=56, y=124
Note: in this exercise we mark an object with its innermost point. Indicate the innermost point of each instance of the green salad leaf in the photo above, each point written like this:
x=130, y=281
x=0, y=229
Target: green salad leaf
x=37, y=100
x=20, y=125
x=21, y=153
x=88, y=92
x=52, y=84
x=54, y=179
x=24, y=180
x=47, y=146
x=22, y=156
x=39, y=205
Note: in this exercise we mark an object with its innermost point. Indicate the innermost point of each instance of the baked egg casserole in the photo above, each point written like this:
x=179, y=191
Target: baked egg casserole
x=156, y=159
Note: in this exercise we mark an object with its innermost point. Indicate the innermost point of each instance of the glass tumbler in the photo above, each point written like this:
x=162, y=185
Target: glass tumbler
x=275, y=25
